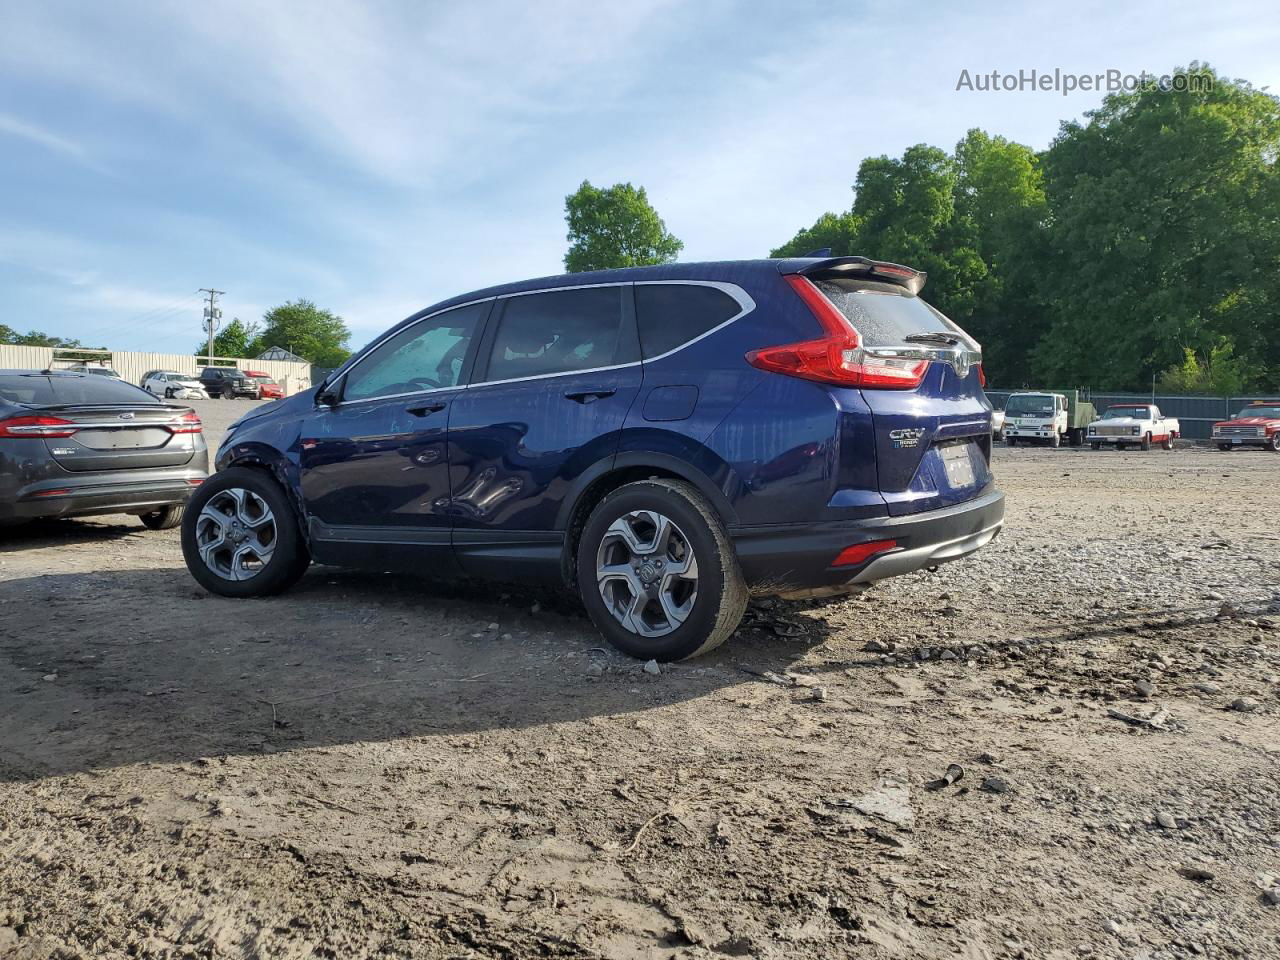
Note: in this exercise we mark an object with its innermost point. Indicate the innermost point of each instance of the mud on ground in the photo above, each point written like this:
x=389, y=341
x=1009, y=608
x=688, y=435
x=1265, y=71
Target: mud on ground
x=369, y=766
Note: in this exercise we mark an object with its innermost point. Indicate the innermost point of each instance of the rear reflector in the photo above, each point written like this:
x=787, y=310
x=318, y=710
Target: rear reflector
x=195, y=481
x=838, y=357
x=52, y=493
x=31, y=426
x=861, y=552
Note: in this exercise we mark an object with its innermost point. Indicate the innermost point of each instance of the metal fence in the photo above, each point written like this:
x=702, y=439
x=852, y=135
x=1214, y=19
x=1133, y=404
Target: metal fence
x=1196, y=415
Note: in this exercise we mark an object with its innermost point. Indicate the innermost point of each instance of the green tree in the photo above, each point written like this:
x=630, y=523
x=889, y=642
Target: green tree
x=615, y=227
x=1165, y=234
x=301, y=327
x=1216, y=372
x=236, y=339
x=34, y=338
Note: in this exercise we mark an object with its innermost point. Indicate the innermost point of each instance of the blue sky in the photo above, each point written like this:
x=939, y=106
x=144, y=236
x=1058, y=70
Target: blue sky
x=378, y=156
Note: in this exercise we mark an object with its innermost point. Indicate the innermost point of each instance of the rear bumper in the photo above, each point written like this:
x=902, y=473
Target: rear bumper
x=794, y=558
x=95, y=495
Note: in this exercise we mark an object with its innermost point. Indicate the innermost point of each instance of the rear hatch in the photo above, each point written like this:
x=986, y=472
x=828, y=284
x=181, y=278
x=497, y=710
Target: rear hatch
x=921, y=377
x=91, y=423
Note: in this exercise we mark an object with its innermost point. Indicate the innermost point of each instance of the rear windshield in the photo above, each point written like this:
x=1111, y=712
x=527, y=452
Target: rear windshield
x=884, y=313
x=36, y=390
x=1119, y=413
x=1258, y=412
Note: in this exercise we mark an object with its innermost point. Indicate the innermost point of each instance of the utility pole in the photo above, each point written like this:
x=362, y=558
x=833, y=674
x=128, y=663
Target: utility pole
x=211, y=316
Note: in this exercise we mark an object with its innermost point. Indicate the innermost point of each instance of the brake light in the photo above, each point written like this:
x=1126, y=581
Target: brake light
x=32, y=426
x=861, y=552
x=837, y=358
x=982, y=377
x=187, y=423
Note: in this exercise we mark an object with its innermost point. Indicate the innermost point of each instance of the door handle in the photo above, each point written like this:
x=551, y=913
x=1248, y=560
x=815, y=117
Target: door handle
x=590, y=394
x=426, y=409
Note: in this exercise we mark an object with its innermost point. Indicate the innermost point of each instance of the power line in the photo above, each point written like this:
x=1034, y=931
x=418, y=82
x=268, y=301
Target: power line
x=148, y=316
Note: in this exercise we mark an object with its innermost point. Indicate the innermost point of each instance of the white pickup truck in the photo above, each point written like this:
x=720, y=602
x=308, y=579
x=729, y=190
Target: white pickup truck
x=1137, y=424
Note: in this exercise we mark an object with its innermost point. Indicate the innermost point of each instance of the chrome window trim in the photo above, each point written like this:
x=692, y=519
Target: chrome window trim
x=745, y=303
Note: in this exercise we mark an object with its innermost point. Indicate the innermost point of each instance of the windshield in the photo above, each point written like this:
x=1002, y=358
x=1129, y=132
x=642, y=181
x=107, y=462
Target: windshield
x=1029, y=406
x=39, y=390
x=1116, y=413
x=264, y=380
x=1259, y=412
x=883, y=313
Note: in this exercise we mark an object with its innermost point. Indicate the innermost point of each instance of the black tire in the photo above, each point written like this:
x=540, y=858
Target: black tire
x=1167, y=443
x=165, y=519
x=721, y=593
x=1055, y=441
x=168, y=393
x=1011, y=441
x=1145, y=442
x=1095, y=446
x=1225, y=447
x=289, y=557
x=1274, y=445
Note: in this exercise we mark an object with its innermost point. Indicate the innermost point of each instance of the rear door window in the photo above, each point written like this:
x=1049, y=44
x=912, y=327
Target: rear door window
x=884, y=313
x=557, y=332
x=672, y=314
x=44, y=391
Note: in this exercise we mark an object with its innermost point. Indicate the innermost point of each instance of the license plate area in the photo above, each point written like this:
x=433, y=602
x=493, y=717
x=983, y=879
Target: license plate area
x=957, y=460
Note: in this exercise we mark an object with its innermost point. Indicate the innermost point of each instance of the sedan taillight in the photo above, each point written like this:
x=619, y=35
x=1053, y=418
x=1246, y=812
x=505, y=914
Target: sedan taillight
x=31, y=426
x=187, y=423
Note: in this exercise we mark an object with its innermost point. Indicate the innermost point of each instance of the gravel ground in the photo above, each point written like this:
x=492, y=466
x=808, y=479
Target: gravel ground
x=370, y=766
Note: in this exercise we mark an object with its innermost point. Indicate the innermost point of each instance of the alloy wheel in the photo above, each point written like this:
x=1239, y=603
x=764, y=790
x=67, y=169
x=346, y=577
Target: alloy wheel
x=647, y=573
x=236, y=534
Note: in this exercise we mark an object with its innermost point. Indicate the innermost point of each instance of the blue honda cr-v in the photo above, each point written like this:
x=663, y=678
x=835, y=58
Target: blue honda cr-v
x=665, y=440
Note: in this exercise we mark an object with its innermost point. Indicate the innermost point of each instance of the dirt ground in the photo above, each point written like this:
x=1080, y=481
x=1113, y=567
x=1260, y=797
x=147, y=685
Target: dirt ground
x=370, y=766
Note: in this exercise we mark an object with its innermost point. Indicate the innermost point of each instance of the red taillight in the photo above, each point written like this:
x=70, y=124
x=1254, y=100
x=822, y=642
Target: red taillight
x=861, y=552
x=982, y=377
x=61, y=492
x=838, y=357
x=37, y=427
x=187, y=423
x=195, y=481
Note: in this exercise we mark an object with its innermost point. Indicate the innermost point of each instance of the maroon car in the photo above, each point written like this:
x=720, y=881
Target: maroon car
x=1257, y=425
x=268, y=389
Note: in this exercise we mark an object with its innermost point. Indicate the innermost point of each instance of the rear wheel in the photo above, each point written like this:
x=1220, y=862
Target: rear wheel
x=165, y=519
x=1168, y=442
x=240, y=535
x=1095, y=446
x=657, y=573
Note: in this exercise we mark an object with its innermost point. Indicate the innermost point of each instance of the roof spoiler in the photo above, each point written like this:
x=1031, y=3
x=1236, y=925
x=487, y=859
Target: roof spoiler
x=845, y=268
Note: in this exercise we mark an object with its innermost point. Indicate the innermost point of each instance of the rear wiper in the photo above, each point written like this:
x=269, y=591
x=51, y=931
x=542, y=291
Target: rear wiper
x=931, y=338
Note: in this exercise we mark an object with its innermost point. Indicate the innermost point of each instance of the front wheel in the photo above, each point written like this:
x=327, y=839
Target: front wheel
x=1011, y=441
x=165, y=519
x=1095, y=446
x=168, y=393
x=1145, y=442
x=657, y=573
x=1055, y=440
x=240, y=535
x=1225, y=447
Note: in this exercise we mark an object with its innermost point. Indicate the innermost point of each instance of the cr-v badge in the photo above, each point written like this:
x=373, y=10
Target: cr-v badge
x=907, y=438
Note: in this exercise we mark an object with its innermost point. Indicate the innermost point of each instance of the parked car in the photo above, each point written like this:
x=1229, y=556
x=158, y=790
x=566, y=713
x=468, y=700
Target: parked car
x=997, y=424
x=665, y=440
x=173, y=385
x=1047, y=418
x=227, y=383
x=1257, y=425
x=96, y=369
x=73, y=445
x=1136, y=424
x=268, y=389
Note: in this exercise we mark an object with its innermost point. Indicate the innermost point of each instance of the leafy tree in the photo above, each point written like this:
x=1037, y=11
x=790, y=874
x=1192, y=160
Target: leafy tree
x=236, y=339
x=301, y=327
x=1165, y=233
x=35, y=338
x=1216, y=372
x=615, y=227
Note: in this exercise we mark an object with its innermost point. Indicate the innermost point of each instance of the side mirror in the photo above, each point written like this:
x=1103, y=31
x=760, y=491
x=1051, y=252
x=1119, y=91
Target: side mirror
x=326, y=398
